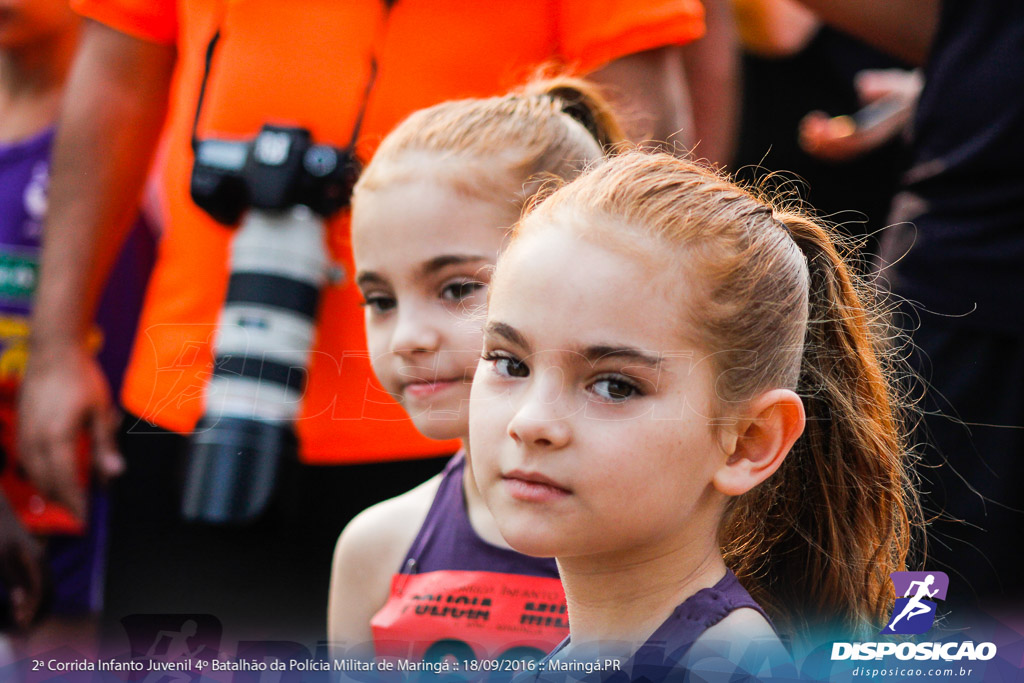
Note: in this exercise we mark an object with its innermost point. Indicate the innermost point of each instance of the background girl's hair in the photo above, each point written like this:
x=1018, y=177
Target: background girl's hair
x=582, y=101
x=551, y=128
x=779, y=307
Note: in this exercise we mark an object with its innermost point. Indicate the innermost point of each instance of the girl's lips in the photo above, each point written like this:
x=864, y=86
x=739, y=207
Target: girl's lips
x=427, y=389
x=532, y=487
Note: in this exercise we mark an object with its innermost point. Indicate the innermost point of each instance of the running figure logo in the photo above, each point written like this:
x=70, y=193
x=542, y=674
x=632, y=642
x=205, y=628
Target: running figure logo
x=914, y=612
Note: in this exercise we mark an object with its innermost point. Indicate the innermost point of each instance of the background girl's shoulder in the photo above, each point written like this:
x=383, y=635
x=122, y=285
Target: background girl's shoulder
x=369, y=552
x=387, y=528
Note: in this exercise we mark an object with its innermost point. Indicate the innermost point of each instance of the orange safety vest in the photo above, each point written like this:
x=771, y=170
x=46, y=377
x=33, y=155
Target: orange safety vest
x=308, y=64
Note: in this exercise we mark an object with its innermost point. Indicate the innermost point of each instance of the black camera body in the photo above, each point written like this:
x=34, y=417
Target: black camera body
x=280, y=168
x=278, y=188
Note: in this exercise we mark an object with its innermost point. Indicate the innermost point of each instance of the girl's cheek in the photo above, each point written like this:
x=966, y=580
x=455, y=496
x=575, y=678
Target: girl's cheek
x=485, y=414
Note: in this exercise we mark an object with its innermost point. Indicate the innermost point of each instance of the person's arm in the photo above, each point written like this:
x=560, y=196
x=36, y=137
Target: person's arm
x=712, y=66
x=903, y=28
x=774, y=28
x=649, y=92
x=113, y=112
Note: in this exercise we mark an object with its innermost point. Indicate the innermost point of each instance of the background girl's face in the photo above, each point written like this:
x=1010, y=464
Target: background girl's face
x=424, y=255
x=589, y=425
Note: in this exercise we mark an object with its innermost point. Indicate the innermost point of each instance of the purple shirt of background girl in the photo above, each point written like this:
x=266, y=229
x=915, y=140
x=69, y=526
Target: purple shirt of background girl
x=76, y=561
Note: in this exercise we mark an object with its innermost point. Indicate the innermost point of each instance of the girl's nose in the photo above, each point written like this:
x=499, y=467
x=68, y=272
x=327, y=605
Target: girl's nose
x=542, y=420
x=414, y=334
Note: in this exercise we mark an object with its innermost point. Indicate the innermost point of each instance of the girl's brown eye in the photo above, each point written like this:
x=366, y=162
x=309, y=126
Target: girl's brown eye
x=507, y=366
x=614, y=390
x=379, y=303
x=457, y=291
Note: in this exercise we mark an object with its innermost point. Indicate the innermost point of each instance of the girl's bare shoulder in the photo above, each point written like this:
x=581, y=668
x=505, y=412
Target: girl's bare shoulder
x=369, y=552
x=384, y=531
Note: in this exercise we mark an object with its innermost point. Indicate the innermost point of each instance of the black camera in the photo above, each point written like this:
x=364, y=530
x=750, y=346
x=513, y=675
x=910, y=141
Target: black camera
x=278, y=188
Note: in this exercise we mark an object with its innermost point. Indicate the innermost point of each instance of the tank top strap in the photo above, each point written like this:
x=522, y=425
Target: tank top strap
x=666, y=648
x=441, y=512
x=708, y=606
x=670, y=643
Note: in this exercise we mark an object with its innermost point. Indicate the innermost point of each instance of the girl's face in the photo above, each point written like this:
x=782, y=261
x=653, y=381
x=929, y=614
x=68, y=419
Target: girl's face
x=423, y=256
x=589, y=428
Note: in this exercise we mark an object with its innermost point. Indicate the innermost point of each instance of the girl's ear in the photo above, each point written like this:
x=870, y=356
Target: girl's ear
x=762, y=438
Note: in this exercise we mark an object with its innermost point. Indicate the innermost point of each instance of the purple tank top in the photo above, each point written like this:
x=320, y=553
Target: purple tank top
x=661, y=656
x=447, y=539
x=458, y=596
x=24, y=182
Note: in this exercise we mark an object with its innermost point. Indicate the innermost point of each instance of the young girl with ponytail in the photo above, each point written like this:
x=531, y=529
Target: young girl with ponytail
x=685, y=398
x=427, y=574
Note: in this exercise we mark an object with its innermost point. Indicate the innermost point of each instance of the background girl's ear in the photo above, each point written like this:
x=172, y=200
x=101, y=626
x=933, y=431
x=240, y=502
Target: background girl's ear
x=773, y=422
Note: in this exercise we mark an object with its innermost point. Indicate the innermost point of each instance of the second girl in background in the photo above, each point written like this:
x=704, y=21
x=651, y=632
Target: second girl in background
x=430, y=215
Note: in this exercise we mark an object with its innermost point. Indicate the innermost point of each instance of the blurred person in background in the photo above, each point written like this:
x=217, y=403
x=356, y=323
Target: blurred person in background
x=888, y=98
x=51, y=561
x=368, y=64
x=796, y=74
x=954, y=255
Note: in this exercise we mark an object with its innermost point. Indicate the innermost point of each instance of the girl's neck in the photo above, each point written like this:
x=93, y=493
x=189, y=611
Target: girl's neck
x=480, y=517
x=31, y=82
x=625, y=598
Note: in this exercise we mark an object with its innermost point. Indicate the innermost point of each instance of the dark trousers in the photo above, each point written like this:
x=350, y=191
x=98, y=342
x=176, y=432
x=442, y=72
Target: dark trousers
x=265, y=580
x=972, y=467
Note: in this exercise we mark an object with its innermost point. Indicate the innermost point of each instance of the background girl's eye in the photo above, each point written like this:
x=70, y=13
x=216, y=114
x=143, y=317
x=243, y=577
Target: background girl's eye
x=380, y=304
x=457, y=291
x=614, y=389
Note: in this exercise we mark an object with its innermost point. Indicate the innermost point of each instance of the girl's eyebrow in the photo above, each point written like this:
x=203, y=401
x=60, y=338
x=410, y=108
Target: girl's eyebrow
x=510, y=333
x=598, y=352
x=368, y=277
x=592, y=353
x=438, y=262
x=428, y=268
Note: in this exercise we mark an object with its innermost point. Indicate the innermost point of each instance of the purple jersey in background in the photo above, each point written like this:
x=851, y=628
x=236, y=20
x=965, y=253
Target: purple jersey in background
x=75, y=559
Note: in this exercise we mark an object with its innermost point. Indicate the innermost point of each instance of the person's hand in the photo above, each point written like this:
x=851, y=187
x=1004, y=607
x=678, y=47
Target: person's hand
x=21, y=569
x=63, y=395
x=889, y=96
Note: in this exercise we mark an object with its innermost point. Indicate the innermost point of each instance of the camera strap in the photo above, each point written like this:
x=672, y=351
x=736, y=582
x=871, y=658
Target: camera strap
x=371, y=80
